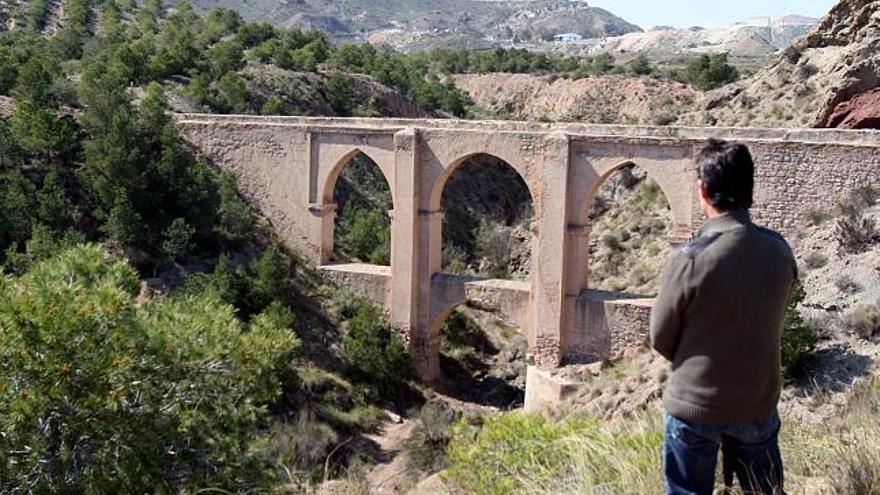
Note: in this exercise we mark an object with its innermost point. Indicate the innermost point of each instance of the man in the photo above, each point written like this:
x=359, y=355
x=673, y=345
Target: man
x=719, y=318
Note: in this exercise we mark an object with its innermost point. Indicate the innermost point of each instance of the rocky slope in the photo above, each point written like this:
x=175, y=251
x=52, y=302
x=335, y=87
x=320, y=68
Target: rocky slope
x=843, y=358
x=419, y=24
x=601, y=100
x=824, y=79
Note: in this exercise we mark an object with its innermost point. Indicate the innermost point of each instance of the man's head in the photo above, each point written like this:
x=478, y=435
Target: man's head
x=727, y=177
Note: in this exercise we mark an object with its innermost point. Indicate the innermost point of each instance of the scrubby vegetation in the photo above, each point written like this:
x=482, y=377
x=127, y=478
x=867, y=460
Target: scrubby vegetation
x=375, y=350
x=629, y=235
x=799, y=339
x=531, y=454
x=855, y=231
x=518, y=453
x=486, y=228
x=430, y=437
x=363, y=228
x=864, y=320
x=101, y=394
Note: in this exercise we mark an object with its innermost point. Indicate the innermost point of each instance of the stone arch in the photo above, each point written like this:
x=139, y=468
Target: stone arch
x=512, y=300
x=330, y=174
x=512, y=160
x=670, y=185
x=680, y=210
x=442, y=184
x=336, y=220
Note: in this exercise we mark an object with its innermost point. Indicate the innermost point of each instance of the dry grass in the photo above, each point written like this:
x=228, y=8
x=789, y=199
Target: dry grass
x=533, y=456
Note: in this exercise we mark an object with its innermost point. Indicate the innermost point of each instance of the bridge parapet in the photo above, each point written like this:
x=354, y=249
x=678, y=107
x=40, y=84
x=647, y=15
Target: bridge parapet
x=370, y=281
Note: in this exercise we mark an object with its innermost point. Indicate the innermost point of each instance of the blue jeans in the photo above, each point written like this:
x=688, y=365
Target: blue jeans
x=751, y=451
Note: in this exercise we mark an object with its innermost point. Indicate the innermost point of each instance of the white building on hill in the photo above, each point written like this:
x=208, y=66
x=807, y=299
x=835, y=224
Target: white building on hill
x=567, y=38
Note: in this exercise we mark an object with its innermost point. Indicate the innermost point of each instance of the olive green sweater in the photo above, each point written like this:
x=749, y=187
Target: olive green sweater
x=719, y=318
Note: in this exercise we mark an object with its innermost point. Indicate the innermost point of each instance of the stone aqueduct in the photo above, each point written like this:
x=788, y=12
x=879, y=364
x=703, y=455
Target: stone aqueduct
x=288, y=167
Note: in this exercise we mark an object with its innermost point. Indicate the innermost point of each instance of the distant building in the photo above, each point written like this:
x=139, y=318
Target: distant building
x=567, y=38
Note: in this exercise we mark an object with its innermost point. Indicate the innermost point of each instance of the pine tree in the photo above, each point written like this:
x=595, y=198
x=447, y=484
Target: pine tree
x=123, y=224
x=178, y=241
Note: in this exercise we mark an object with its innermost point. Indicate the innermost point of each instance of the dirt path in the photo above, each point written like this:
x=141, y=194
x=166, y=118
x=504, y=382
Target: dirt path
x=394, y=476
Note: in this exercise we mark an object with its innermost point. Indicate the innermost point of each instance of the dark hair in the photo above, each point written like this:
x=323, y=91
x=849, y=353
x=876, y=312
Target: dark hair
x=728, y=174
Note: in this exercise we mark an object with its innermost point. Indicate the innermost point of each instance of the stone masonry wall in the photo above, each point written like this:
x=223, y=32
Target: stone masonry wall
x=794, y=178
x=615, y=323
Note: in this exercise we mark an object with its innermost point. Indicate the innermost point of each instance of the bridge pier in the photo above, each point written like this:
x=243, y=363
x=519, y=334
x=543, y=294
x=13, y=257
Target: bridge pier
x=547, y=345
x=321, y=221
x=410, y=267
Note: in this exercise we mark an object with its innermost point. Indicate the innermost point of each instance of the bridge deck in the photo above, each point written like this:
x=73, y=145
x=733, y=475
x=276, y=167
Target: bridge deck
x=865, y=137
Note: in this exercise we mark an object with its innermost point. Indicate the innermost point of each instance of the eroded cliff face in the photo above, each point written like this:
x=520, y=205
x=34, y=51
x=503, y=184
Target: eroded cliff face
x=814, y=83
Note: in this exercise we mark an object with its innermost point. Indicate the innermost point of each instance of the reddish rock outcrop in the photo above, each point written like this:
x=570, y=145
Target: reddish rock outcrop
x=860, y=112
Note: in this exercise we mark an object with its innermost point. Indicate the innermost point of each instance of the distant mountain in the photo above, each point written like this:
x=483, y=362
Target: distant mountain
x=419, y=24
x=757, y=38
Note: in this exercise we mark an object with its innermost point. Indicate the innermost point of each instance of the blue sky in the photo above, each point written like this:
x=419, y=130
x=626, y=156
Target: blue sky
x=707, y=13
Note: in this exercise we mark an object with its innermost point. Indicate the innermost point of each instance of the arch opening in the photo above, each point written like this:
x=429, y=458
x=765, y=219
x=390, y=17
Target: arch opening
x=487, y=213
x=362, y=228
x=630, y=224
x=482, y=357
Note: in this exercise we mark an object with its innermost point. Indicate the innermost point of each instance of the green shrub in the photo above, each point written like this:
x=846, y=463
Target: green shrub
x=340, y=94
x=41, y=131
x=235, y=221
x=101, y=394
x=42, y=245
x=375, y=350
x=227, y=283
x=123, y=222
x=272, y=106
x=233, y=94
x=640, y=66
x=269, y=279
x=711, y=71
x=798, y=337
x=54, y=207
x=493, y=246
x=365, y=234
x=250, y=288
x=17, y=205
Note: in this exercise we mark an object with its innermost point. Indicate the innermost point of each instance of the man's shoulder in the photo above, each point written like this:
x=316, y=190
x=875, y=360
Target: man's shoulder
x=699, y=244
x=775, y=237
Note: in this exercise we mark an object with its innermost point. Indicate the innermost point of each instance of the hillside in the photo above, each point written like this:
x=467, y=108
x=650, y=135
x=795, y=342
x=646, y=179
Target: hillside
x=599, y=99
x=271, y=89
x=825, y=79
x=748, y=42
x=418, y=24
